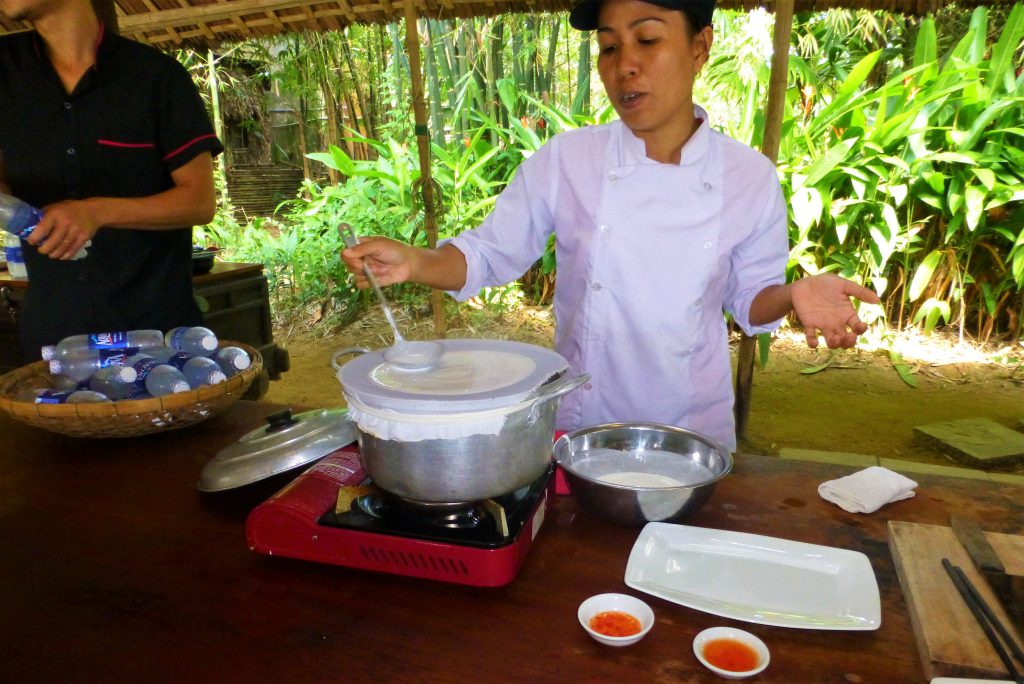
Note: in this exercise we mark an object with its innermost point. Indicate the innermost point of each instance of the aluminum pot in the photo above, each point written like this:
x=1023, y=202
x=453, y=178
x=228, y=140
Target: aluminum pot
x=471, y=467
x=474, y=467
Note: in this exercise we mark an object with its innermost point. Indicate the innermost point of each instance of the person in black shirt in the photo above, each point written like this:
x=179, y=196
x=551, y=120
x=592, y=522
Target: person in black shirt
x=112, y=140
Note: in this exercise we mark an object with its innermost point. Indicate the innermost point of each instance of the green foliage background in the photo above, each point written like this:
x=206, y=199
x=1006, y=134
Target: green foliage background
x=901, y=155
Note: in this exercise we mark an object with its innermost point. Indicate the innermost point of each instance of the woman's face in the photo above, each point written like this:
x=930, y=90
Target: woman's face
x=648, y=62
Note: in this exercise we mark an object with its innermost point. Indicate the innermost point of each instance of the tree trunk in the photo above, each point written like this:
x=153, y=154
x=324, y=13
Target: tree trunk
x=489, y=92
x=547, y=88
x=466, y=70
x=498, y=66
x=218, y=124
x=433, y=87
x=399, y=64
x=346, y=50
x=581, y=103
x=458, y=72
x=306, y=173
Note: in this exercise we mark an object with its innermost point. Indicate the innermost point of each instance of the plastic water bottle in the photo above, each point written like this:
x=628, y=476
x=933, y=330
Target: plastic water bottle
x=166, y=380
x=117, y=382
x=53, y=396
x=142, y=364
x=19, y=218
x=197, y=340
x=63, y=382
x=232, y=360
x=138, y=393
x=15, y=257
x=82, y=365
x=169, y=355
x=109, y=340
x=202, y=370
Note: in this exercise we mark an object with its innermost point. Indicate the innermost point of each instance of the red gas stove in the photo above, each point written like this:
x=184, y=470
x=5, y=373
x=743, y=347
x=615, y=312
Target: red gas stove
x=481, y=544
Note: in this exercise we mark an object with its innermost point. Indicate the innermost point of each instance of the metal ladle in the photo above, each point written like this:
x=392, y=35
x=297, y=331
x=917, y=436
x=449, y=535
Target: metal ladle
x=403, y=354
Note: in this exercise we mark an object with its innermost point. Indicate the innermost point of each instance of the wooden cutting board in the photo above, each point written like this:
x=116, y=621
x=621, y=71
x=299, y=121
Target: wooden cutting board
x=949, y=640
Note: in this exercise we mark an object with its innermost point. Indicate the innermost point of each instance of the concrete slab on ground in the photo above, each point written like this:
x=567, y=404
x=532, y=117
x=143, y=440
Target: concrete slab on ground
x=977, y=442
x=908, y=468
x=836, y=457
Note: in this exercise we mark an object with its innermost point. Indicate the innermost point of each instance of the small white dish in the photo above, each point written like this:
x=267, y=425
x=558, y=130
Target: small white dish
x=711, y=634
x=620, y=602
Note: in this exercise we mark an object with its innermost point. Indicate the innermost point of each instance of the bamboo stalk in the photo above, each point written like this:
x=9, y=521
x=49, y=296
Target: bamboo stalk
x=412, y=47
x=770, y=148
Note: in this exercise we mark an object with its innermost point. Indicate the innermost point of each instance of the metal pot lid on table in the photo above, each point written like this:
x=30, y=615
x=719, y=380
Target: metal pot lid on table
x=287, y=441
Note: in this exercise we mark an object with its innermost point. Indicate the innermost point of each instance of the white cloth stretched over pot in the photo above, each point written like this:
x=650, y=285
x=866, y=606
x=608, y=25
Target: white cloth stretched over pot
x=389, y=424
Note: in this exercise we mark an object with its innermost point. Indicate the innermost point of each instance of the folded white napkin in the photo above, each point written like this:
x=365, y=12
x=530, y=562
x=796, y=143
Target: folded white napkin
x=868, y=490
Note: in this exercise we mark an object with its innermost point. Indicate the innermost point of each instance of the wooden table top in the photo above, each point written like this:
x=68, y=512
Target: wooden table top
x=116, y=569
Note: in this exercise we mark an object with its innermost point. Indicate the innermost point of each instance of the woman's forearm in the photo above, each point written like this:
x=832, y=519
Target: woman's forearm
x=770, y=304
x=443, y=268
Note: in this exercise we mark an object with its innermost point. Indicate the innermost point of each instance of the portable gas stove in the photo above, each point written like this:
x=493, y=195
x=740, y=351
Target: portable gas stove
x=481, y=544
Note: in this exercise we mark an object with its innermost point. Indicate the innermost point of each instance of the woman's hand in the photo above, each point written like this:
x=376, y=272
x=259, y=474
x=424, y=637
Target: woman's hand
x=390, y=261
x=822, y=303
x=65, y=228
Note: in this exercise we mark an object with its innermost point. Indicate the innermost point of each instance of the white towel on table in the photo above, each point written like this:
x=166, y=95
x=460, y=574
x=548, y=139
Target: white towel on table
x=868, y=490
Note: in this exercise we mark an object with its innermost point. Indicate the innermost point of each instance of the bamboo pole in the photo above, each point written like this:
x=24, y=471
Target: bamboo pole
x=770, y=148
x=412, y=47
x=218, y=124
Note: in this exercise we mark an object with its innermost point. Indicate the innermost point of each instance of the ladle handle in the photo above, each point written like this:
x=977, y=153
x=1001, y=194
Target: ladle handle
x=348, y=236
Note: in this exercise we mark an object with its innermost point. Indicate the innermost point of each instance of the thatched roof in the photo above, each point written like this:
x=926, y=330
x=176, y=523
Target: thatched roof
x=200, y=23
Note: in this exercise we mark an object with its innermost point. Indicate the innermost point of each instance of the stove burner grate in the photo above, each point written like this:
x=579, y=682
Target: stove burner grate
x=484, y=524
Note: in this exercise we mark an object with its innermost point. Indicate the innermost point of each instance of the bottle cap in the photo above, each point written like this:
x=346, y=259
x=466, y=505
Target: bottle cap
x=48, y=352
x=209, y=343
x=127, y=373
x=55, y=367
x=217, y=377
x=180, y=386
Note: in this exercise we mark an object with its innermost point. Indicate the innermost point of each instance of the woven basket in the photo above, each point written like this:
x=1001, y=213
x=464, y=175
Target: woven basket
x=122, y=418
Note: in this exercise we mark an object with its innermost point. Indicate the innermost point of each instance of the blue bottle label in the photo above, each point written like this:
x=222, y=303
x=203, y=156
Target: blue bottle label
x=114, y=357
x=178, y=360
x=142, y=369
x=54, y=397
x=25, y=221
x=111, y=340
x=14, y=254
x=174, y=340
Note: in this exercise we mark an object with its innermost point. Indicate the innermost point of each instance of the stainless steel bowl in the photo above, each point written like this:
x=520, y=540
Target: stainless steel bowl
x=636, y=473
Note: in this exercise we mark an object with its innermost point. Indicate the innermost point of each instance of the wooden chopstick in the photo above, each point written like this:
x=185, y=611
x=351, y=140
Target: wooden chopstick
x=987, y=620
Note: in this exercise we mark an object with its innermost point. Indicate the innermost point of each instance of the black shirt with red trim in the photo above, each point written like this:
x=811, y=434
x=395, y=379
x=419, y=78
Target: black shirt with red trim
x=134, y=117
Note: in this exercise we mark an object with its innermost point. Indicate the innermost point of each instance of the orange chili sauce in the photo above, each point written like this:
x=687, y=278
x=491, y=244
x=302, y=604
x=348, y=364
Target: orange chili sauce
x=731, y=655
x=615, y=623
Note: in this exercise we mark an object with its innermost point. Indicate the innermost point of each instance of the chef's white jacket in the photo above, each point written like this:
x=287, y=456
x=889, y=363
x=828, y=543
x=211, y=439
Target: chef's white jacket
x=649, y=255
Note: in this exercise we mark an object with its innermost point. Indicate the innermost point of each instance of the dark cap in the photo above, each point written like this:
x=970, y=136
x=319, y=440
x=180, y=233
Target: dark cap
x=583, y=16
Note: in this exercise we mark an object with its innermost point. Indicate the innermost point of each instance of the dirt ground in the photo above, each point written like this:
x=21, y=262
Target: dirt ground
x=858, y=403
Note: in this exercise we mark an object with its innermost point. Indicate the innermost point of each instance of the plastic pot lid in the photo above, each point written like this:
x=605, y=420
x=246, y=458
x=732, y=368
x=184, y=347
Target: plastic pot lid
x=472, y=375
x=285, y=442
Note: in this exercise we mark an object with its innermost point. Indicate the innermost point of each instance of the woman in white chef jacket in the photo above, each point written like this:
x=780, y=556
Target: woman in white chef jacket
x=660, y=224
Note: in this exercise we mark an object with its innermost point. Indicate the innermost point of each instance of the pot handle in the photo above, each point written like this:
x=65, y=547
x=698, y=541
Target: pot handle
x=557, y=388
x=342, y=352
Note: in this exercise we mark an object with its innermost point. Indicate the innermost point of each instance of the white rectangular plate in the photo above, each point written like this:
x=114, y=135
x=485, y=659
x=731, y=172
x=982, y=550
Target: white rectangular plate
x=749, y=577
